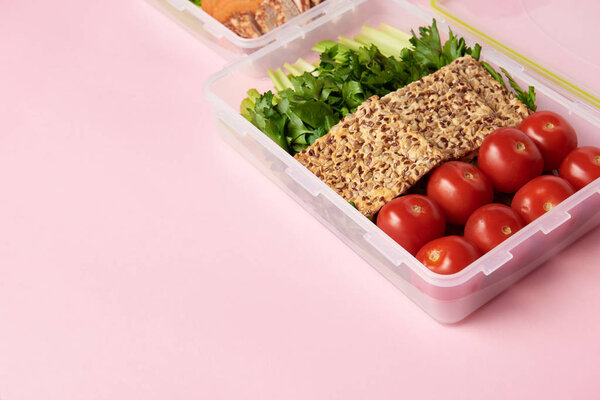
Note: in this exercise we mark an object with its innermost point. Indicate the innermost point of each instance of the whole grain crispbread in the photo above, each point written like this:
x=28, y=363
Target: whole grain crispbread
x=443, y=108
x=507, y=107
x=370, y=157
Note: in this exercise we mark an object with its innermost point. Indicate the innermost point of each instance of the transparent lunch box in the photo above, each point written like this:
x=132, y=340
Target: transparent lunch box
x=447, y=298
x=224, y=41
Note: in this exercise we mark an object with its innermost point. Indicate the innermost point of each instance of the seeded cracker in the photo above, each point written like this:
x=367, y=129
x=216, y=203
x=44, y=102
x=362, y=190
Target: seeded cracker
x=443, y=108
x=370, y=157
x=506, y=106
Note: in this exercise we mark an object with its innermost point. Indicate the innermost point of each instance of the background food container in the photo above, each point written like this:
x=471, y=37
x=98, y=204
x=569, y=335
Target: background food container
x=447, y=298
x=225, y=42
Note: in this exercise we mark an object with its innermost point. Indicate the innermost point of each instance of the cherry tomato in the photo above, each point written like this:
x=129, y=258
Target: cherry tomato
x=412, y=221
x=552, y=134
x=581, y=166
x=540, y=196
x=492, y=224
x=510, y=159
x=459, y=188
x=448, y=255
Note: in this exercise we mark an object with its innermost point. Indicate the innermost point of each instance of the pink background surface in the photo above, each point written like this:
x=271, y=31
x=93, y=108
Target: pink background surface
x=142, y=258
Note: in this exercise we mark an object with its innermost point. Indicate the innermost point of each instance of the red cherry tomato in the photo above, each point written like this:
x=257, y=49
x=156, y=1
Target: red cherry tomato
x=581, y=166
x=510, y=159
x=492, y=224
x=412, y=221
x=553, y=136
x=448, y=255
x=540, y=196
x=459, y=188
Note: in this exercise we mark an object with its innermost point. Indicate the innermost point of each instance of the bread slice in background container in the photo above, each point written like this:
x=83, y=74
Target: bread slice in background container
x=447, y=298
x=229, y=45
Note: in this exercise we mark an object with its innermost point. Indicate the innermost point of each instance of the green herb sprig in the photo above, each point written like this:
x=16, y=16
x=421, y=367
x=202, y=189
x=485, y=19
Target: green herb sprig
x=527, y=98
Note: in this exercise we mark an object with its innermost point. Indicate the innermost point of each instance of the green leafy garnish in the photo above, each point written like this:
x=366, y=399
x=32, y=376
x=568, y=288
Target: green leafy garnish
x=431, y=55
x=197, y=2
x=527, y=98
x=493, y=73
x=269, y=120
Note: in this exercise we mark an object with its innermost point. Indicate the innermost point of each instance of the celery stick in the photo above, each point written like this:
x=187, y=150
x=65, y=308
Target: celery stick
x=383, y=48
x=246, y=106
x=397, y=33
x=304, y=65
x=292, y=69
x=253, y=94
x=275, y=79
x=382, y=39
x=285, y=81
x=351, y=44
x=280, y=80
x=324, y=45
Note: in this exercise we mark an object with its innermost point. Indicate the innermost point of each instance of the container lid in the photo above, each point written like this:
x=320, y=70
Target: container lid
x=551, y=37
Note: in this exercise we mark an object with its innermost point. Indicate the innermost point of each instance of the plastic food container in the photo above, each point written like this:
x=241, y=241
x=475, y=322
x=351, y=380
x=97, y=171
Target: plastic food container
x=225, y=42
x=447, y=298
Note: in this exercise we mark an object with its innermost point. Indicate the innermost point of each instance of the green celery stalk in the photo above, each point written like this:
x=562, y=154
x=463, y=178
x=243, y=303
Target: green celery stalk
x=292, y=69
x=397, y=33
x=324, y=45
x=249, y=103
x=247, y=106
x=383, y=48
x=351, y=44
x=287, y=84
x=253, y=94
x=275, y=79
x=280, y=80
x=304, y=65
x=384, y=40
